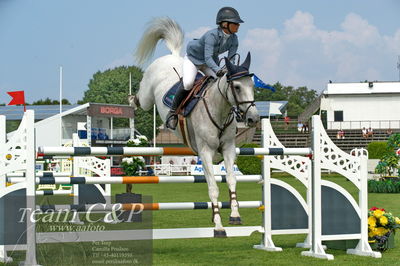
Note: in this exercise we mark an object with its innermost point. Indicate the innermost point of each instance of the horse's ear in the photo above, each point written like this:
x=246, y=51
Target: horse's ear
x=247, y=61
x=229, y=66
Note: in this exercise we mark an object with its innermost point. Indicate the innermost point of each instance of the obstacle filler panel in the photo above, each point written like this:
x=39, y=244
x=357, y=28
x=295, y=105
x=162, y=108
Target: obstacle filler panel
x=90, y=194
x=287, y=211
x=129, y=198
x=10, y=205
x=338, y=214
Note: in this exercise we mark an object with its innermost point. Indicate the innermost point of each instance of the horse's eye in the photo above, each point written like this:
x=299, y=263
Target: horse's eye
x=237, y=87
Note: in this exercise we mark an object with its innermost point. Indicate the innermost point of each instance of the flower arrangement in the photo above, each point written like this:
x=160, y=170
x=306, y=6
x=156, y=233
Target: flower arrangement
x=381, y=225
x=133, y=164
x=140, y=141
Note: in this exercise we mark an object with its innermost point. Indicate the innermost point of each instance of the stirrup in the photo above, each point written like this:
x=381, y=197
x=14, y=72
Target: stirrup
x=172, y=121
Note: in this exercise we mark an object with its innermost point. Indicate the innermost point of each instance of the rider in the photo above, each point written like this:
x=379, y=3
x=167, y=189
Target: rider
x=202, y=54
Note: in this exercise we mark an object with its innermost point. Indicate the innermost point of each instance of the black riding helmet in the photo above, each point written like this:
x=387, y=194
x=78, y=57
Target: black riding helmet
x=228, y=14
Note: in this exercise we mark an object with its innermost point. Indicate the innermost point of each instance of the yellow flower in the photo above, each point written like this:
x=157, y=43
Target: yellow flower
x=383, y=220
x=372, y=232
x=371, y=221
x=397, y=219
x=380, y=231
x=378, y=213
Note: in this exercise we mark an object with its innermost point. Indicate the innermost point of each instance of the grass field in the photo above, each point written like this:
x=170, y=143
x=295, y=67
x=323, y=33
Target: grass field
x=239, y=251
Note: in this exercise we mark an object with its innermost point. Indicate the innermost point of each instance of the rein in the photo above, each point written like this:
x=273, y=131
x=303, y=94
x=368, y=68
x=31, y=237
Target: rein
x=228, y=120
x=235, y=110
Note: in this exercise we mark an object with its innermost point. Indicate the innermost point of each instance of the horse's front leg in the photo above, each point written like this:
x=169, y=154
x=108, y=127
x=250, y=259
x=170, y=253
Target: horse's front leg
x=229, y=153
x=206, y=154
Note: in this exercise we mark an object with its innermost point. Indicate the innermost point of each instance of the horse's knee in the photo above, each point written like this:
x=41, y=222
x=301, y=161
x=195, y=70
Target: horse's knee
x=213, y=192
x=231, y=181
x=133, y=101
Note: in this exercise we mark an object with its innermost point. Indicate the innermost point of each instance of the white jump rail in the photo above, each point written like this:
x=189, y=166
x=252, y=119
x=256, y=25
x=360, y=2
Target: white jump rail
x=154, y=151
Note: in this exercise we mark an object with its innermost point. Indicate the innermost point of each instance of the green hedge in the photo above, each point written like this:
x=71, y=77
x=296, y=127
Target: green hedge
x=376, y=149
x=249, y=165
x=391, y=185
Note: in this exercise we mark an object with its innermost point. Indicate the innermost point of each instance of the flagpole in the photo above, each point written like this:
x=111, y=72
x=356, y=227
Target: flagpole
x=154, y=125
x=132, y=119
x=269, y=111
x=61, y=87
x=24, y=103
x=130, y=83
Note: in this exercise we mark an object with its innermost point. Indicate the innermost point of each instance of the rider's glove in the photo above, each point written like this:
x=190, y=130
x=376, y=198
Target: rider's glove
x=220, y=73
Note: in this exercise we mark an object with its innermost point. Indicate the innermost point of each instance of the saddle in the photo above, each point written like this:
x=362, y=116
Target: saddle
x=188, y=104
x=191, y=99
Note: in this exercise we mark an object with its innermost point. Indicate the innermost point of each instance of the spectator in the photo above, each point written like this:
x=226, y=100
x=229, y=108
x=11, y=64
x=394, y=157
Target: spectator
x=389, y=132
x=341, y=134
x=370, y=132
x=338, y=134
x=287, y=121
x=305, y=127
x=364, y=133
x=300, y=127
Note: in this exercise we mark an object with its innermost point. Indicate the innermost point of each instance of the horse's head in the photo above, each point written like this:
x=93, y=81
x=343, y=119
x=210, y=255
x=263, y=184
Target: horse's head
x=241, y=86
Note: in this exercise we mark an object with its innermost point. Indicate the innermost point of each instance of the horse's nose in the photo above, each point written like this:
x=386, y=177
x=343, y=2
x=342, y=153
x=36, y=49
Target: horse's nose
x=253, y=120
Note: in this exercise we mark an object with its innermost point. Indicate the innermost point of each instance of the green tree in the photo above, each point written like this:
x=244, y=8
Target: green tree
x=298, y=99
x=48, y=101
x=112, y=86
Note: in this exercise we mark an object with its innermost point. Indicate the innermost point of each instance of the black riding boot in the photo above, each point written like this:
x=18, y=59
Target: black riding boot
x=172, y=117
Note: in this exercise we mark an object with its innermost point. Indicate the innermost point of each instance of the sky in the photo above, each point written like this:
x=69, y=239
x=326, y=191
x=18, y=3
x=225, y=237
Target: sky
x=295, y=42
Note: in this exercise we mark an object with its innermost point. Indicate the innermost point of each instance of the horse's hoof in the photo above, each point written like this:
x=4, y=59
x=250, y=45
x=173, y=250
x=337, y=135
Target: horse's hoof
x=235, y=220
x=219, y=233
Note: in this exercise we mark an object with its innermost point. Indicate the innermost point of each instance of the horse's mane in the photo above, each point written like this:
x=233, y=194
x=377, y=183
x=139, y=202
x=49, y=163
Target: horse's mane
x=162, y=28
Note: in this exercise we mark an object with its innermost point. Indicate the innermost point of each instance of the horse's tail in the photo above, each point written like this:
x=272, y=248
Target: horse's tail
x=162, y=28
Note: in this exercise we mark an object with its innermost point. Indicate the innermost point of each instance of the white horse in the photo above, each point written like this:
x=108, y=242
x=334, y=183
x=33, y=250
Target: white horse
x=210, y=131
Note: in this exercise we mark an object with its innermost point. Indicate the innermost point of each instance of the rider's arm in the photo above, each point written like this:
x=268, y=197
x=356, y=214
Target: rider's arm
x=233, y=49
x=210, y=44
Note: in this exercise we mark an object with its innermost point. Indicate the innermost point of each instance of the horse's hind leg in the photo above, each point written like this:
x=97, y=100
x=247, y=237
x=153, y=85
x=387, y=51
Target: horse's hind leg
x=206, y=154
x=229, y=153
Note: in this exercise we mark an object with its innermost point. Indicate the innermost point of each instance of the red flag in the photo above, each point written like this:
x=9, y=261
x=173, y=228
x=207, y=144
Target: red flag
x=18, y=97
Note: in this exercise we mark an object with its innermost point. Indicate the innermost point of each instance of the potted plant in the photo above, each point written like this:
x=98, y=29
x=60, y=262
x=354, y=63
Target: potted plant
x=387, y=165
x=133, y=164
x=389, y=162
x=382, y=226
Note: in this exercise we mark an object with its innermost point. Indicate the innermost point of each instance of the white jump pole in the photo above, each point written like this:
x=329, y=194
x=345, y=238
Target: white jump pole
x=30, y=190
x=3, y=253
x=126, y=151
x=129, y=180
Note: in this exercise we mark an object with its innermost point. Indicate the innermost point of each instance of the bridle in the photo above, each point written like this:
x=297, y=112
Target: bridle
x=237, y=102
x=235, y=110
